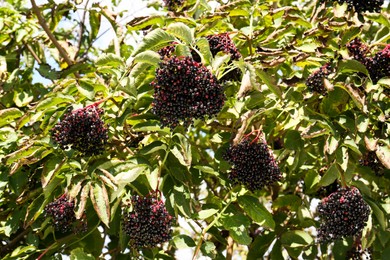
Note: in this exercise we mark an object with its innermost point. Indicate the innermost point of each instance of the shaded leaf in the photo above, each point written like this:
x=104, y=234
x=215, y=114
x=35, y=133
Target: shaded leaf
x=256, y=211
x=99, y=198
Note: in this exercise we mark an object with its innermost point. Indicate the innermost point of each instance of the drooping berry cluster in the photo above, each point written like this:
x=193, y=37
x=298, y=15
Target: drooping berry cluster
x=358, y=50
x=62, y=213
x=370, y=159
x=315, y=82
x=172, y=5
x=222, y=42
x=253, y=164
x=83, y=130
x=167, y=51
x=185, y=90
x=148, y=224
x=378, y=66
x=343, y=213
x=360, y=6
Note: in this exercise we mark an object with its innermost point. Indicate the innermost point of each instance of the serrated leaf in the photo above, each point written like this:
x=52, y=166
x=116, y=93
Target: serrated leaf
x=110, y=60
x=129, y=175
x=139, y=23
x=54, y=101
x=237, y=224
x=256, y=211
x=94, y=22
x=206, y=213
x=50, y=169
x=181, y=31
x=183, y=241
x=270, y=82
x=179, y=155
x=83, y=200
x=330, y=175
x=352, y=66
x=296, y=238
x=9, y=115
x=154, y=41
x=204, y=49
x=148, y=56
x=99, y=198
x=378, y=213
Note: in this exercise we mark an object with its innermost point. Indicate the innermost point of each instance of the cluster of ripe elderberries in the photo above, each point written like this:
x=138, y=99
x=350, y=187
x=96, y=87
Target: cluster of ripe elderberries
x=360, y=6
x=315, y=82
x=172, y=5
x=222, y=42
x=148, y=224
x=83, y=130
x=253, y=164
x=371, y=160
x=185, y=90
x=343, y=213
x=378, y=65
x=63, y=216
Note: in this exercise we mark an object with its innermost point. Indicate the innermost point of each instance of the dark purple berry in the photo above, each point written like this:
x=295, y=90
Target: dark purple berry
x=167, y=51
x=83, y=130
x=360, y=6
x=222, y=42
x=343, y=213
x=148, y=224
x=358, y=50
x=253, y=164
x=185, y=90
x=315, y=82
x=379, y=65
x=62, y=213
x=173, y=5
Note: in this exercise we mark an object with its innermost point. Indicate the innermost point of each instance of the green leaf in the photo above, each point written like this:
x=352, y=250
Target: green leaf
x=236, y=224
x=111, y=60
x=86, y=89
x=293, y=140
x=139, y=23
x=208, y=249
x=346, y=66
x=99, y=198
x=270, y=82
x=288, y=200
x=378, y=213
x=330, y=176
x=183, y=241
x=181, y=31
x=296, y=238
x=9, y=115
x=154, y=41
x=79, y=254
x=148, y=56
x=54, y=101
x=260, y=245
x=204, y=49
x=94, y=22
x=130, y=174
x=256, y=211
x=203, y=214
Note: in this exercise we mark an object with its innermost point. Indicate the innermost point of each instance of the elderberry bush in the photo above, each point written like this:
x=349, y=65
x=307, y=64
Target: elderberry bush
x=360, y=6
x=62, y=213
x=315, y=82
x=148, y=224
x=358, y=50
x=185, y=90
x=343, y=213
x=253, y=164
x=83, y=130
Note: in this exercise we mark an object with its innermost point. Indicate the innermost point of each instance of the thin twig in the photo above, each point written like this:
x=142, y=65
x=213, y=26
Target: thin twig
x=33, y=53
x=81, y=30
x=42, y=22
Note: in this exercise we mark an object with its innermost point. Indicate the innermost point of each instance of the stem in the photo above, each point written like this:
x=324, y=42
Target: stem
x=42, y=22
x=14, y=241
x=81, y=30
x=33, y=53
x=343, y=182
x=229, y=248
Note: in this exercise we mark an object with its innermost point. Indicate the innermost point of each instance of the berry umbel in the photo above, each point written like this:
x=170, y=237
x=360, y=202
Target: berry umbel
x=62, y=213
x=185, y=90
x=83, y=130
x=378, y=66
x=148, y=224
x=315, y=82
x=222, y=42
x=358, y=50
x=343, y=213
x=253, y=164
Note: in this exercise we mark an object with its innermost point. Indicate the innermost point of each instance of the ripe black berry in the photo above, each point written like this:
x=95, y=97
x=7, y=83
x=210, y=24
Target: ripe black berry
x=370, y=159
x=167, y=51
x=378, y=66
x=83, y=130
x=253, y=164
x=358, y=50
x=185, y=90
x=172, y=5
x=343, y=213
x=315, y=82
x=148, y=224
x=222, y=42
x=62, y=213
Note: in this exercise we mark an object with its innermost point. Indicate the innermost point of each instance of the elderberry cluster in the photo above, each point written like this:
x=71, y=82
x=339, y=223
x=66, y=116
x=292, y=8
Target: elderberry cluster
x=167, y=51
x=172, y=5
x=360, y=6
x=253, y=165
x=83, y=130
x=185, y=90
x=378, y=66
x=370, y=159
x=222, y=42
x=358, y=50
x=315, y=82
x=62, y=213
x=148, y=224
x=343, y=213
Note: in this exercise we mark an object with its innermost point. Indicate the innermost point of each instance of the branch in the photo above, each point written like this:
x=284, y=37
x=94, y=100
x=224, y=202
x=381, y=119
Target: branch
x=42, y=22
x=14, y=241
x=81, y=30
